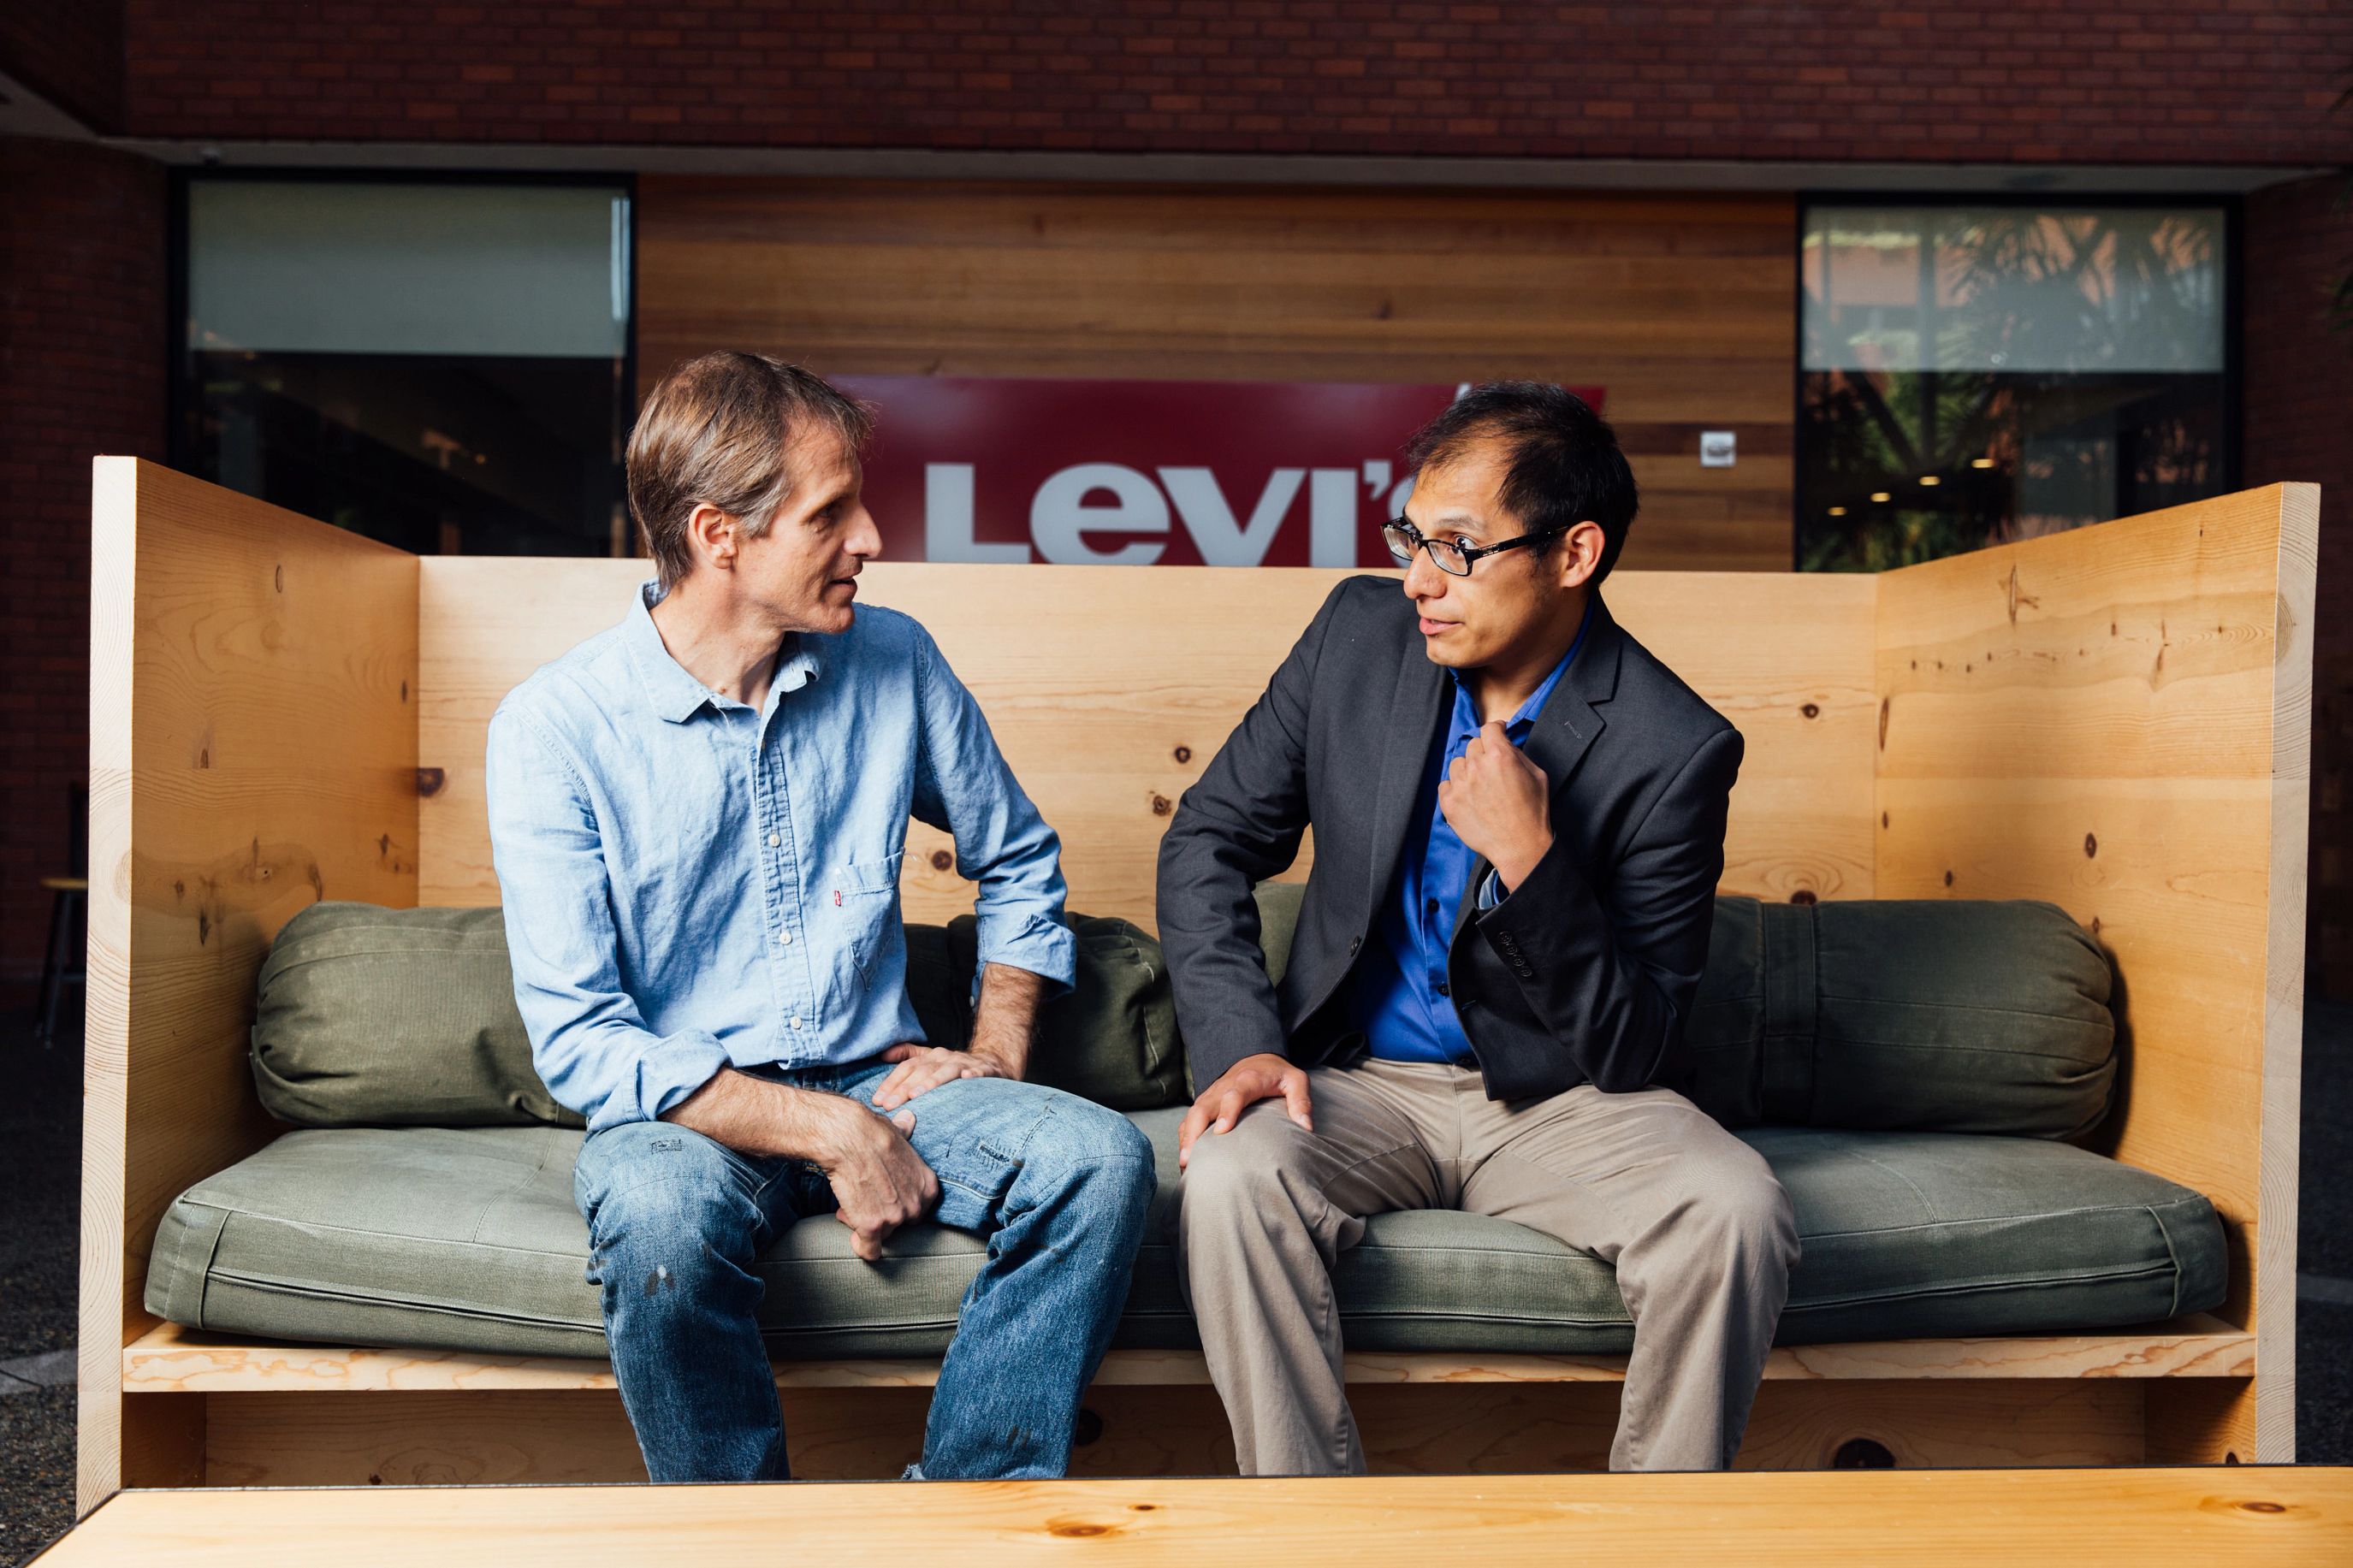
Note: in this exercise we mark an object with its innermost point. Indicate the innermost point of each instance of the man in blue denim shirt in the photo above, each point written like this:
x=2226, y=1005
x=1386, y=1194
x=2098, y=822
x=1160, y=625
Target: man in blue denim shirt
x=697, y=819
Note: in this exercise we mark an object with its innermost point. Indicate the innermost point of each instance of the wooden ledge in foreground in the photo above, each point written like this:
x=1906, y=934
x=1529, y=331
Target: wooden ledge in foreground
x=2183, y=1517
x=174, y=1359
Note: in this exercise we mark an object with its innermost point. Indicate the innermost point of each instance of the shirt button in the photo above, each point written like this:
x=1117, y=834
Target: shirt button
x=784, y=939
x=775, y=839
x=797, y=1020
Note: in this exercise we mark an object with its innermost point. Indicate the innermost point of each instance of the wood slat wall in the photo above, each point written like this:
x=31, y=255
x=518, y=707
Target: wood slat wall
x=1680, y=307
x=1124, y=680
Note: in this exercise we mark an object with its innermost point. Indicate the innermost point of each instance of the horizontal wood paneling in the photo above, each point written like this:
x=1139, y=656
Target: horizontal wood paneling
x=1680, y=307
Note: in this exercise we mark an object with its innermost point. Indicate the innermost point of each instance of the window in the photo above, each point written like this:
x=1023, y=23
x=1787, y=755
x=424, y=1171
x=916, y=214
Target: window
x=444, y=366
x=1971, y=375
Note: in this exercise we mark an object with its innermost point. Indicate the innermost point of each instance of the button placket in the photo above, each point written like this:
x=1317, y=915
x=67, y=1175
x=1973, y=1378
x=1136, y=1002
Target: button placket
x=788, y=971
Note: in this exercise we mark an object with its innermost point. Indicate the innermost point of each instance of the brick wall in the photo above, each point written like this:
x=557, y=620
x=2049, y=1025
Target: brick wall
x=2028, y=82
x=2299, y=426
x=69, y=51
x=81, y=372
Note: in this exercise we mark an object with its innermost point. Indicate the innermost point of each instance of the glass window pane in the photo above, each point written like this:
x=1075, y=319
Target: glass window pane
x=440, y=367
x=324, y=268
x=1971, y=375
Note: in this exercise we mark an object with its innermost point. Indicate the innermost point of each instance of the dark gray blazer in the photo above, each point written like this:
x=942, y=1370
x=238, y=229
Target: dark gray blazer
x=1584, y=972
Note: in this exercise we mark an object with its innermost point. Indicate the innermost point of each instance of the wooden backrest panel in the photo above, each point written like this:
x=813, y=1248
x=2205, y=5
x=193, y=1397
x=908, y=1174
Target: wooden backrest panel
x=2116, y=719
x=253, y=748
x=1111, y=688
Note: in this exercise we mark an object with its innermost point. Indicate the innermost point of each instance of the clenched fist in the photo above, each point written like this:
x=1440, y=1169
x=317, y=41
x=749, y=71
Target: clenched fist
x=1497, y=803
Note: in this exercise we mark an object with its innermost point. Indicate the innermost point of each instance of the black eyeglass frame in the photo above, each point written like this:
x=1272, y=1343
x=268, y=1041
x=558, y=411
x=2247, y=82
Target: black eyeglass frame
x=1469, y=552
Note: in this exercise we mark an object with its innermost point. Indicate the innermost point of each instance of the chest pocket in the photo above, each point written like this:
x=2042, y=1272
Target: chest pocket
x=863, y=905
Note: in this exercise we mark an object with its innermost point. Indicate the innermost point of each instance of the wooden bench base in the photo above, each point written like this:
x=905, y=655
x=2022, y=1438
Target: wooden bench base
x=248, y=1413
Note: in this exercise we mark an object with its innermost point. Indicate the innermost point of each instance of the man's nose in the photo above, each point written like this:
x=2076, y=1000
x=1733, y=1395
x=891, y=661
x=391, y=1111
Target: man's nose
x=1423, y=579
x=865, y=539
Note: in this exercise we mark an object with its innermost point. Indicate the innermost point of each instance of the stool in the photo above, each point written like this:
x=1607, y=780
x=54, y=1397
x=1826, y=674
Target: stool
x=66, y=965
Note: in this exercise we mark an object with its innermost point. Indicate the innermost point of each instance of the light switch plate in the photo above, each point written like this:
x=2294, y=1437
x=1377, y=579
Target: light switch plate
x=1716, y=449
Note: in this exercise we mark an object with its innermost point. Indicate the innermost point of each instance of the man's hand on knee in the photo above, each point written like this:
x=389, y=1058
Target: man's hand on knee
x=879, y=1180
x=923, y=1068
x=1263, y=1077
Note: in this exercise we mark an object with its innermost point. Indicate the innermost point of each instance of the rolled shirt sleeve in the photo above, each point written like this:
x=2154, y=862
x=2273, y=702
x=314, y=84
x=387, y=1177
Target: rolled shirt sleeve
x=590, y=1042
x=964, y=788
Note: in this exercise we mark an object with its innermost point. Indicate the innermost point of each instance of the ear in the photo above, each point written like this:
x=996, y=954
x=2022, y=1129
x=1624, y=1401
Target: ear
x=1578, y=554
x=710, y=534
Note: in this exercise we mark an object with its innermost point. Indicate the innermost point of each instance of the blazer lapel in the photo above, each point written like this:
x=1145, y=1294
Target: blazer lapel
x=1415, y=715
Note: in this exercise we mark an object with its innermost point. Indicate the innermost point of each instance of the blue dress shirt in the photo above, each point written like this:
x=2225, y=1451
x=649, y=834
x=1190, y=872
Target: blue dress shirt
x=689, y=882
x=1398, y=993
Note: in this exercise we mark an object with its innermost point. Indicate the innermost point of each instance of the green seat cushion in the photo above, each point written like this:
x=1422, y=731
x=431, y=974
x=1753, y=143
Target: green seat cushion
x=466, y=1238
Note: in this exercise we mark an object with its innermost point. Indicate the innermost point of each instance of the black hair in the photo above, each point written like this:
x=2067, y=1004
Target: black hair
x=1562, y=465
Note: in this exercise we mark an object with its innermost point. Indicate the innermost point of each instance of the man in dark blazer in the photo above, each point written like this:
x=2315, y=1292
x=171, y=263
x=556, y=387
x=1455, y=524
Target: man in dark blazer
x=1519, y=818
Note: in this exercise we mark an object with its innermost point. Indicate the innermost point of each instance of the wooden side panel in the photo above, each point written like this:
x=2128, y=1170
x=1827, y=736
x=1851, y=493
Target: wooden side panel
x=2117, y=720
x=1678, y=305
x=1111, y=688
x=252, y=749
x=430, y=1439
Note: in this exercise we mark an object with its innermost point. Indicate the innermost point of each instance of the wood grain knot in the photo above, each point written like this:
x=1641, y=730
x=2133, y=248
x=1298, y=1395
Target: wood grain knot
x=2265, y=1507
x=430, y=780
x=278, y=579
x=942, y=859
x=1811, y=710
x=1948, y=878
x=1802, y=896
x=1882, y=819
x=1160, y=806
x=404, y=691
x=2091, y=846
x=1184, y=754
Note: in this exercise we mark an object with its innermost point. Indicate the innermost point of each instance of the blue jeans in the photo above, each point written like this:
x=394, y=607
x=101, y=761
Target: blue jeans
x=675, y=1220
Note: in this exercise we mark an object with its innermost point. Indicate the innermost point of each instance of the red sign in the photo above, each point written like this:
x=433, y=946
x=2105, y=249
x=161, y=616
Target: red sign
x=1179, y=473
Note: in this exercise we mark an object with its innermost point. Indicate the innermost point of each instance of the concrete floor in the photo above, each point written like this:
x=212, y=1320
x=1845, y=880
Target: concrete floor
x=40, y=1143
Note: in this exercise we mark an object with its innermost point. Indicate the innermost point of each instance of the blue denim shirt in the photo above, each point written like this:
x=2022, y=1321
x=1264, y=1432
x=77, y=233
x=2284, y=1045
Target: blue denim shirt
x=689, y=883
x=1398, y=993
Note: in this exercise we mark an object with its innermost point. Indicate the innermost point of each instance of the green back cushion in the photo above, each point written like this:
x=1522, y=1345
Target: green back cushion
x=372, y=1016
x=1928, y=1015
x=1932, y=1014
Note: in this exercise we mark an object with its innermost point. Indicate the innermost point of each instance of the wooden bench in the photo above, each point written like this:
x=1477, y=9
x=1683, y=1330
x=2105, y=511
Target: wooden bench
x=2115, y=719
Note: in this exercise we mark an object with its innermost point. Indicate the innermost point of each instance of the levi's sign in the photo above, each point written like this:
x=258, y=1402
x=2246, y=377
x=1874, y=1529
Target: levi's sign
x=1212, y=473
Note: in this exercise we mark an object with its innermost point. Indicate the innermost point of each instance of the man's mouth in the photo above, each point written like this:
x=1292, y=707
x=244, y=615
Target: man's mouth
x=1431, y=628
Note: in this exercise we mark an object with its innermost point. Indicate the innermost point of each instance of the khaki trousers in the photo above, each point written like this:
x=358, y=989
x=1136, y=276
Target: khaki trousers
x=1701, y=1233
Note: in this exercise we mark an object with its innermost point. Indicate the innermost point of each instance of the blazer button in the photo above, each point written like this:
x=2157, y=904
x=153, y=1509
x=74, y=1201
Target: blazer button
x=1354, y=943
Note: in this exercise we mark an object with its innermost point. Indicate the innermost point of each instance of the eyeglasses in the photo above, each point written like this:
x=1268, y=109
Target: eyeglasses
x=1451, y=558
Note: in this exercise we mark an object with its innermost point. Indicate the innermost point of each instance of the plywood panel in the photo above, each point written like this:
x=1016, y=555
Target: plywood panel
x=1680, y=306
x=253, y=750
x=2116, y=720
x=438, y=1439
x=2151, y=1518
x=1122, y=683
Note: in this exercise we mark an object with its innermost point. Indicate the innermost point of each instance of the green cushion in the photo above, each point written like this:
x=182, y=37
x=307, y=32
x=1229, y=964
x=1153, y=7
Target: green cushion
x=466, y=1238
x=374, y=1016
x=1928, y=1015
x=367, y=1015
x=1952, y=1016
